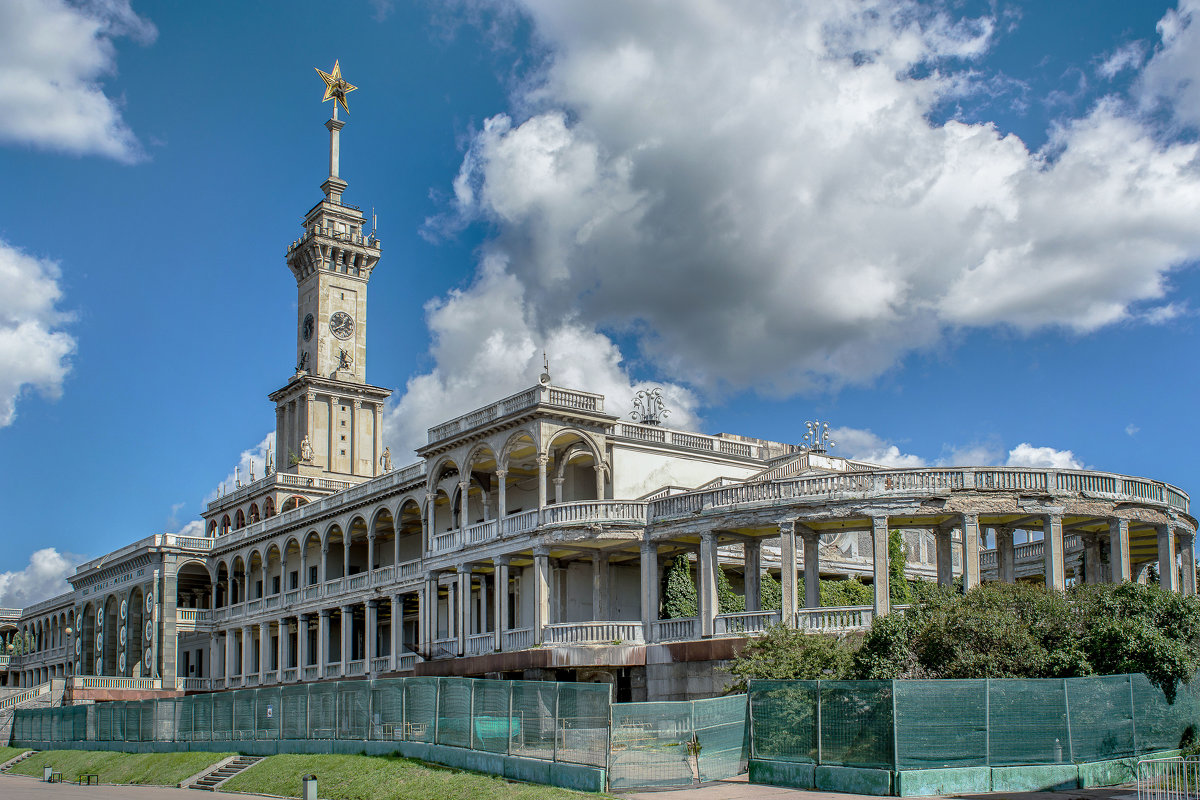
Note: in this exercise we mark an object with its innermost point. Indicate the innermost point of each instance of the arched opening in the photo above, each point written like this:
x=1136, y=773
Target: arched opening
x=237, y=582
x=112, y=632
x=291, y=554
x=359, y=547
x=273, y=571
x=312, y=558
x=254, y=516
x=239, y=520
x=212, y=528
x=445, y=487
x=295, y=501
x=194, y=586
x=519, y=461
x=268, y=508
x=137, y=634
x=384, y=529
x=225, y=524
x=335, y=557
x=255, y=577
x=410, y=539
x=574, y=472
x=482, y=491
x=221, y=588
x=89, y=642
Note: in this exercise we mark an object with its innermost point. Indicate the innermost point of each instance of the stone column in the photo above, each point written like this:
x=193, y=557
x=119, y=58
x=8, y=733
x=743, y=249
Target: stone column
x=1187, y=557
x=752, y=574
x=812, y=568
x=502, y=500
x=264, y=650
x=247, y=652
x=541, y=588
x=541, y=462
x=398, y=627
x=1092, y=572
x=501, y=604
x=1118, y=551
x=649, y=582
x=706, y=580
x=371, y=635
x=371, y=558
x=463, y=518
x=323, y=567
x=213, y=660
x=428, y=613
x=1166, y=557
x=879, y=561
x=944, y=546
x=345, y=557
x=1006, y=571
x=599, y=482
x=483, y=603
x=431, y=514
x=395, y=553
x=322, y=641
x=600, y=586
x=347, y=637
x=1052, y=552
x=787, y=571
x=462, y=609
x=971, y=536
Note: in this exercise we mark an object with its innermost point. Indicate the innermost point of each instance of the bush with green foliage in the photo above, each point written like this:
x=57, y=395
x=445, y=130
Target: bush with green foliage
x=789, y=653
x=728, y=601
x=679, y=598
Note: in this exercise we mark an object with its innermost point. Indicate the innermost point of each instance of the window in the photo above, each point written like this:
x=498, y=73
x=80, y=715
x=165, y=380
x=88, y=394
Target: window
x=294, y=579
x=275, y=584
x=258, y=587
x=312, y=575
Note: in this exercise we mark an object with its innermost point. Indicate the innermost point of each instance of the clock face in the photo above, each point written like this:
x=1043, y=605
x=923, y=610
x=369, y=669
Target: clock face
x=306, y=330
x=342, y=325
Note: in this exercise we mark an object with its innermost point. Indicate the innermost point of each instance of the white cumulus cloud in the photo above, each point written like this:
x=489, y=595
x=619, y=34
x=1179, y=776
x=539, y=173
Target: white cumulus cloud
x=53, y=55
x=1026, y=455
x=759, y=195
x=34, y=349
x=252, y=460
x=863, y=445
x=488, y=344
x=45, y=576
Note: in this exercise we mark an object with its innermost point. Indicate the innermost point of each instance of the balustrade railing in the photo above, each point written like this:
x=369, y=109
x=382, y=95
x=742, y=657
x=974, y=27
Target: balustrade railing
x=596, y=511
x=355, y=582
x=382, y=575
x=447, y=541
x=356, y=668
x=549, y=395
x=113, y=682
x=272, y=601
x=479, y=644
x=333, y=586
x=670, y=630
x=482, y=532
x=381, y=664
x=519, y=523
x=835, y=618
x=26, y=696
x=291, y=597
x=289, y=675
x=254, y=606
x=333, y=670
x=312, y=673
x=312, y=592
x=407, y=662
x=409, y=570
x=743, y=623
x=598, y=632
x=517, y=639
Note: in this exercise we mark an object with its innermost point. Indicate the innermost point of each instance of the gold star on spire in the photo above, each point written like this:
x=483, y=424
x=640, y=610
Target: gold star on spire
x=336, y=88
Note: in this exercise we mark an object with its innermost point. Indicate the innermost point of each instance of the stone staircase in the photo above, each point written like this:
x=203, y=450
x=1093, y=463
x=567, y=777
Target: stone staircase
x=44, y=696
x=225, y=770
x=12, y=762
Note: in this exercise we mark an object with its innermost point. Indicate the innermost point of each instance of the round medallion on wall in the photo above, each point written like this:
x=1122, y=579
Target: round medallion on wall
x=124, y=609
x=149, y=660
x=99, y=666
x=99, y=642
x=121, y=663
x=306, y=330
x=341, y=325
x=149, y=630
x=78, y=646
x=149, y=602
x=123, y=636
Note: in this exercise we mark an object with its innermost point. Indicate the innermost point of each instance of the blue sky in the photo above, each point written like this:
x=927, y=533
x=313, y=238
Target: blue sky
x=959, y=231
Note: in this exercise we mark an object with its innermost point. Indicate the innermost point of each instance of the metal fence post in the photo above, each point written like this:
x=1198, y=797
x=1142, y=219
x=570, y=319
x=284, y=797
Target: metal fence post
x=820, y=755
x=1132, y=713
x=508, y=745
x=557, y=694
x=987, y=721
x=1067, y=709
x=895, y=748
x=437, y=706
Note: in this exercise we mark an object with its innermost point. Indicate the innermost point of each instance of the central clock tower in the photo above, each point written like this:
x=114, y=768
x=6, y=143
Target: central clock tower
x=328, y=418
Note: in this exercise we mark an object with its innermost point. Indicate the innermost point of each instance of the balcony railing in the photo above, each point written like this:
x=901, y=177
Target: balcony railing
x=599, y=632
x=744, y=623
x=538, y=395
x=838, y=618
x=667, y=630
x=407, y=662
x=107, y=682
x=381, y=664
x=480, y=644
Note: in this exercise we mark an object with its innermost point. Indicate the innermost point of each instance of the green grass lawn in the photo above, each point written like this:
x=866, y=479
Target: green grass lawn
x=384, y=778
x=163, y=769
x=10, y=752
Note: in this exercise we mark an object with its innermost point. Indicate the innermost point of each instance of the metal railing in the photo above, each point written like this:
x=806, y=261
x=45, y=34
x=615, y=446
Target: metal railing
x=1168, y=778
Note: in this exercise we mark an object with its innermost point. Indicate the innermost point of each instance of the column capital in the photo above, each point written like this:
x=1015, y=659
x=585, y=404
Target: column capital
x=542, y=460
x=706, y=537
x=465, y=569
x=787, y=526
x=501, y=561
x=541, y=551
x=501, y=473
x=464, y=485
x=648, y=545
x=373, y=603
x=324, y=612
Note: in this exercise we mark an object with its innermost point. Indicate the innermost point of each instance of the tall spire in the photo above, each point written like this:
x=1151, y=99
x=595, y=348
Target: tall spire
x=336, y=89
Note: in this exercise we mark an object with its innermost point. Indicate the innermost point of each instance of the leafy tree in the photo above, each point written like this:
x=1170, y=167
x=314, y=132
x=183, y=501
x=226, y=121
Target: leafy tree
x=852, y=592
x=887, y=651
x=784, y=653
x=728, y=601
x=679, y=599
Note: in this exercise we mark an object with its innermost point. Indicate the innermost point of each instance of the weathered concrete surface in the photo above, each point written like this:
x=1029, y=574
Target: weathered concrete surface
x=926, y=782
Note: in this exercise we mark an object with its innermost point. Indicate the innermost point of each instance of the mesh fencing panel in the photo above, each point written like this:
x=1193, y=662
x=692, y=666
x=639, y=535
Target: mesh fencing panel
x=293, y=702
x=387, y=709
x=721, y=727
x=322, y=711
x=784, y=715
x=454, y=712
x=353, y=702
x=941, y=723
x=583, y=716
x=202, y=717
x=244, y=713
x=856, y=723
x=268, y=713
x=1028, y=722
x=491, y=721
x=1100, y=717
x=222, y=716
x=420, y=709
x=650, y=745
x=1158, y=724
x=104, y=726
x=533, y=705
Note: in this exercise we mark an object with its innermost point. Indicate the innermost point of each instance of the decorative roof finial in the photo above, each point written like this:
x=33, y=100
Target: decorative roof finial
x=336, y=88
x=648, y=407
x=817, y=440
x=544, y=379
